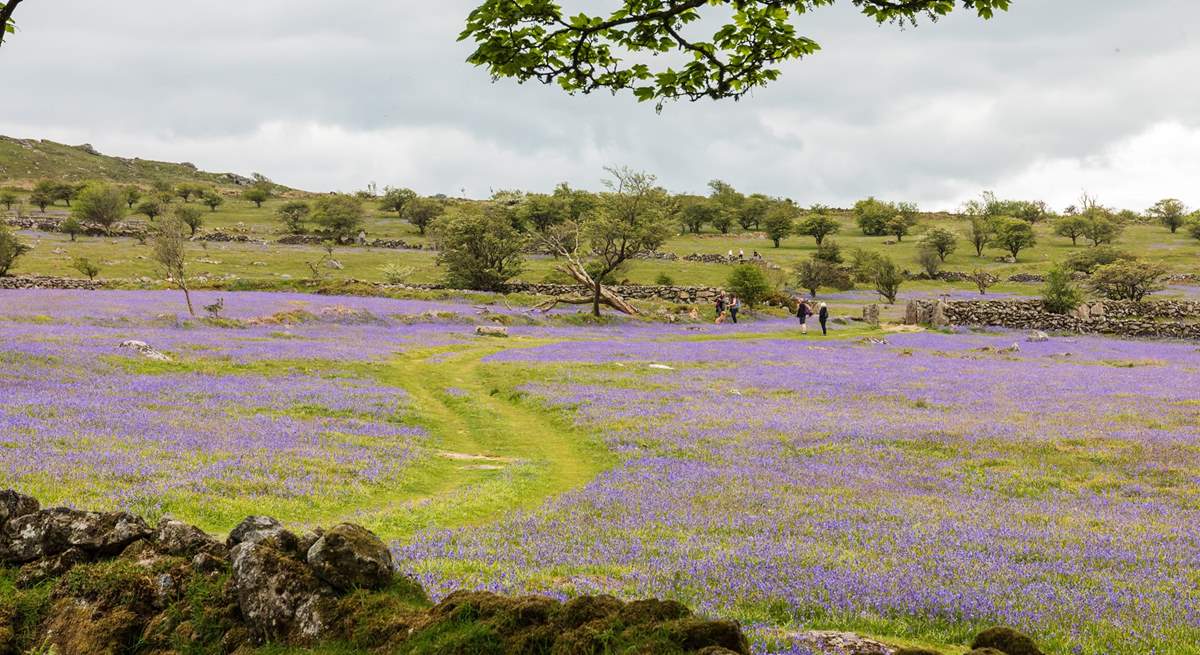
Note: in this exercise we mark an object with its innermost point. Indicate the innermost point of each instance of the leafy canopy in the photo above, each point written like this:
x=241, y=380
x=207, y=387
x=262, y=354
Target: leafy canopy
x=538, y=40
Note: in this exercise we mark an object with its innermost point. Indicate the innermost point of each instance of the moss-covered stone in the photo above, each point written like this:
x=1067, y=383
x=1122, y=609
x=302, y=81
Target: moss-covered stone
x=1007, y=641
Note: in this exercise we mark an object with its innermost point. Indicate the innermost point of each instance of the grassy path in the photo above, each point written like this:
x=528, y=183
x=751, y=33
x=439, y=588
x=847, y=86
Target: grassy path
x=497, y=451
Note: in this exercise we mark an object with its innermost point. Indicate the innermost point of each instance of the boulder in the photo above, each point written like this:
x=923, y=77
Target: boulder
x=871, y=314
x=145, y=350
x=182, y=539
x=48, y=532
x=280, y=598
x=254, y=528
x=1005, y=640
x=937, y=318
x=846, y=643
x=14, y=504
x=349, y=557
x=491, y=330
x=1038, y=337
x=51, y=567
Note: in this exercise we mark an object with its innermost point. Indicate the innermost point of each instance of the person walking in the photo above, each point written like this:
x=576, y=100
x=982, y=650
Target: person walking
x=823, y=317
x=802, y=313
x=734, y=306
x=741, y=255
x=720, y=309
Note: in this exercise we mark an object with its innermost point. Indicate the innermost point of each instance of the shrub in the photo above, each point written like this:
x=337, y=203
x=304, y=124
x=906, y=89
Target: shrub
x=480, y=249
x=983, y=280
x=1060, y=295
x=829, y=251
x=85, y=267
x=340, y=215
x=257, y=194
x=941, y=241
x=1194, y=225
x=863, y=264
x=929, y=261
x=887, y=278
x=1089, y=260
x=749, y=283
x=132, y=195
x=71, y=227
x=816, y=273
x=1127, y=280
x=10, y=250
x=8, y=198
x=293, y=214
x=396, y=274
x=664, y=280
x=1102, y=228
x=99, y=204
x=872, y=216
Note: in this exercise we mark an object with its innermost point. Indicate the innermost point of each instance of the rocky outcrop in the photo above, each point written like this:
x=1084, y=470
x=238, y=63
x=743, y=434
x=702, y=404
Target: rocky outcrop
x=106, y=583
x=1161, y=319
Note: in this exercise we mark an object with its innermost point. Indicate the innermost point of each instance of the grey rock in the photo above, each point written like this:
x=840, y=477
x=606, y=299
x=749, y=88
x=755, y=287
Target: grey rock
x=254, y=528
x=50, y=567
x=349, y=556
x=184, y=540
x=1038, y=337
x=14, y=504
x=280, y=598
x=48, y=532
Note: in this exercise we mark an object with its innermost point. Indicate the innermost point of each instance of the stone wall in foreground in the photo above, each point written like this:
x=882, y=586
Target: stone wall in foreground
x=1162, y=319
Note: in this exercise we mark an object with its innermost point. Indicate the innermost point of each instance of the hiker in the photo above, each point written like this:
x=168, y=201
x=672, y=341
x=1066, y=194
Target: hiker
x=802, y=313
x=720, y=309
x=823, y=317
x=741, y=255
x=756, y=256
x=734, y=306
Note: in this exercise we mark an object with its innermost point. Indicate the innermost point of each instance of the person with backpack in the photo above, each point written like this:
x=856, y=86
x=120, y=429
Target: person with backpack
x=823, y=317
x=802, y=313
x=734, y=306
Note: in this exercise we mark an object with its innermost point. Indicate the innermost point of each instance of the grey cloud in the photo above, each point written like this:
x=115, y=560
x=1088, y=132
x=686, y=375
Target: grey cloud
x=921, y=113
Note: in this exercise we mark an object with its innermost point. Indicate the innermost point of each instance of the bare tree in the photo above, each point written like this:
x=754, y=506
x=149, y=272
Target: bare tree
x=170, y=243
x=630, y=219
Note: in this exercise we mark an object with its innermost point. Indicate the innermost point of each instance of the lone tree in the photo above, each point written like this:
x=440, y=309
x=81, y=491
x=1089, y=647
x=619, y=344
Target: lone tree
x=1170, y=212
x=85, y=267
x=749, y=40
x=873, y=215
x=479, y=247
x=1101, y=228
x=819, y=224
x=71, y=227
x=779, y=222
x=1072, y=227
x=191, y=217
x=101, y=205
x=903, y=221
x=150, y=208
x=941, y=241
x=211, y=199
x=630, y=219
x=888, y=278
x=421, y=212
x=395, y=200
x=814, y=273
x=340, y=215
x=1060, y=295
x=728, y=201
x=170, y=243
x=1013, y=235
x=8, y=198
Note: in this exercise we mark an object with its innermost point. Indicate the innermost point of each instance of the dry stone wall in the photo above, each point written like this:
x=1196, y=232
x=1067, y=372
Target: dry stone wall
x=1164, y=319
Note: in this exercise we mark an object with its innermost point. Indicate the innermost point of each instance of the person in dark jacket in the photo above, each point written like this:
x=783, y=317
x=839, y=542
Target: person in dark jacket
x=720, y=309
x=823, y=317
x=802, y=313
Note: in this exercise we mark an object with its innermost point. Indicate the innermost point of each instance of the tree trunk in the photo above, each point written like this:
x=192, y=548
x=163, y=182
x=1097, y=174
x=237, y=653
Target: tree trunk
x=596, y=299
x=188, y=297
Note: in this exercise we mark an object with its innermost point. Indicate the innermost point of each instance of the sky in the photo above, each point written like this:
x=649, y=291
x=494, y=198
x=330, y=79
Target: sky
x=1053, y=98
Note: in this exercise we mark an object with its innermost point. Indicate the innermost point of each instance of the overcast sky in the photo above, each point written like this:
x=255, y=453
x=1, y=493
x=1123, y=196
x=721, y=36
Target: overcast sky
x=1052, y=98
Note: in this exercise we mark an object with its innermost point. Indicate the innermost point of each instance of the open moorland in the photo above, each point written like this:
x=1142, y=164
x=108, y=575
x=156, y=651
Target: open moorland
x=913, y=486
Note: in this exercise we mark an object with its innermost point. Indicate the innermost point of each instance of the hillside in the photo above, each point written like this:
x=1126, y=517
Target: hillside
x=24, y=161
